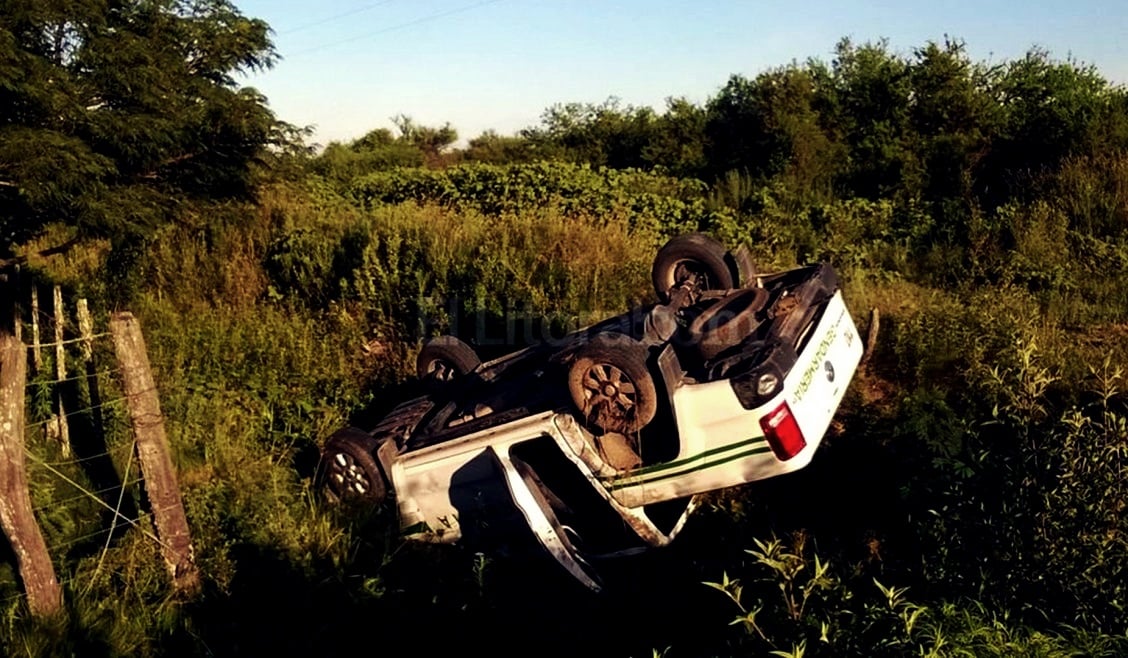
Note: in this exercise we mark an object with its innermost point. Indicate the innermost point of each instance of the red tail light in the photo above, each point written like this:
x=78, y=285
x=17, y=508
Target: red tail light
x=783, y=433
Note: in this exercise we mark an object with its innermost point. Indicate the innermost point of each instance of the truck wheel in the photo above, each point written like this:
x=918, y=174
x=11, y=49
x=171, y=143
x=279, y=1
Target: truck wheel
x=444, y=359
x=611, y=385
x=693, y=255
x=349, y=471
x=727, y=322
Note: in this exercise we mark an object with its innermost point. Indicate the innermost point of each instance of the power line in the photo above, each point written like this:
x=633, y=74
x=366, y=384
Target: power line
x=335, y=17
x=417, y=21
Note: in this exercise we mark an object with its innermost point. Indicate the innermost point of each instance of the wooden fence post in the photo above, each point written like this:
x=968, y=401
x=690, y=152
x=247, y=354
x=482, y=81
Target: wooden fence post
x=61, y=371
x=17, y=312
x=152, y=451
x=37, y=355
x=86, y=330
x=871, y=338
x=44, y=597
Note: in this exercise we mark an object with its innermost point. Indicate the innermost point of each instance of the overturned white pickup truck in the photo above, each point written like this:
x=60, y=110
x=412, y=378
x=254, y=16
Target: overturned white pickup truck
x=599, y=442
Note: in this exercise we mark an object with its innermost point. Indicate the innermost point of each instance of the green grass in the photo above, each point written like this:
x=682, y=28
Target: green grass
x=271, y=326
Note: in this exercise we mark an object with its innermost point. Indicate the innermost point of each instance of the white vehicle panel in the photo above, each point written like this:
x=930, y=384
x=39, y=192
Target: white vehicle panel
x=817, y=383
x=425, y=479
x=722, y=443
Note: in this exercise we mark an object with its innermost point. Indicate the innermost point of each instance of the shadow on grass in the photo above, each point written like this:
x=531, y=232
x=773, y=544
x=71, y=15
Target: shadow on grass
x=428, y=600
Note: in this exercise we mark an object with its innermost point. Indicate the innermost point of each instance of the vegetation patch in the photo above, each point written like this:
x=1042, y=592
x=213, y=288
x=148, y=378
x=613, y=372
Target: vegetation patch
x=969, y=500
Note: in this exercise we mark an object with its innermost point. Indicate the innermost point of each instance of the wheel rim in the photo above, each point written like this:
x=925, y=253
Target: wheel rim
x=347, y=478
x=441, y=370
x=609, y=393
x=689, y=268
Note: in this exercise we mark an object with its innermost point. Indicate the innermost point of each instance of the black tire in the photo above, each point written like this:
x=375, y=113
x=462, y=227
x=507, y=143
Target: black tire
x=349, y=471
x=727, y=322
x=444, y=359
x=610, y=384
x=692, y=254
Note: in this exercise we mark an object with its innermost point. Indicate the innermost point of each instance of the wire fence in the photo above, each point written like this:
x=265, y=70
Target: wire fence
x=77, y=412
x=108, y=453
x=65, y=469
x=75, y=378
x=85, y=493
x=60, y=548
x=109, y=470
x=69, y=341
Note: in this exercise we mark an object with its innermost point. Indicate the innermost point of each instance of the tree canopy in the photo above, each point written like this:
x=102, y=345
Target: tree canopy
x=114, y=112
x=929, y=129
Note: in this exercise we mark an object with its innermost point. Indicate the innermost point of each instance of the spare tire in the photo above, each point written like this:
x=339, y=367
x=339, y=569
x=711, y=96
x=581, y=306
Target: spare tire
x=611, y=385
x=693, y=254
x=444, y=359
x=727, y=322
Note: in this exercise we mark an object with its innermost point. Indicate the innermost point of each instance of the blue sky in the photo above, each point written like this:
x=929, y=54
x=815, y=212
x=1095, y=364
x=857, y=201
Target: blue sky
x=348, y=66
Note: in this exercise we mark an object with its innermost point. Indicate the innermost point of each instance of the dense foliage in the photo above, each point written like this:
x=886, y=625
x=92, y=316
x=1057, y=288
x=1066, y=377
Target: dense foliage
x=114, y=114
x=969, y=500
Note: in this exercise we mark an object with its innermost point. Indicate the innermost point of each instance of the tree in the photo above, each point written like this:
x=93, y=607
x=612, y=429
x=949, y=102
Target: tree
x=1051, y=110
x=378, y=150
x=432, y=142
x=677, y=140
x=115, y=112
x=492, y=148
x=869, y=105
x=606, y=134
x=953, y=121
x=771, y=126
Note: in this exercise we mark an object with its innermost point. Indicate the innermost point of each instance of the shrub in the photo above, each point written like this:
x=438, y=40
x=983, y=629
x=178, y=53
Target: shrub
x=801, y=605
x=647, y=199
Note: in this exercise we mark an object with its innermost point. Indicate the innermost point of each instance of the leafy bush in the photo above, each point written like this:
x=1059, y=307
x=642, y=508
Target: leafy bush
x=418, y=269
x=649, y=199
x=801, y=605
x=1093, y=192
x=1026, y=510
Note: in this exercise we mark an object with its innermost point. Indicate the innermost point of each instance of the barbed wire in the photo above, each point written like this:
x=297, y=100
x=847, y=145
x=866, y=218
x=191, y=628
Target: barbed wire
x=131, y=522
x=77, y=412
x=71, y=542
x=40, y=313
x=107, y=453
x=98, y=500
x=47, y=325
x=23, y=595
x=113, y=524
x=68, y=341
x=64, y=584
x=59, y=503
x=88, y=375
x=106, y=403
x=54, y=548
